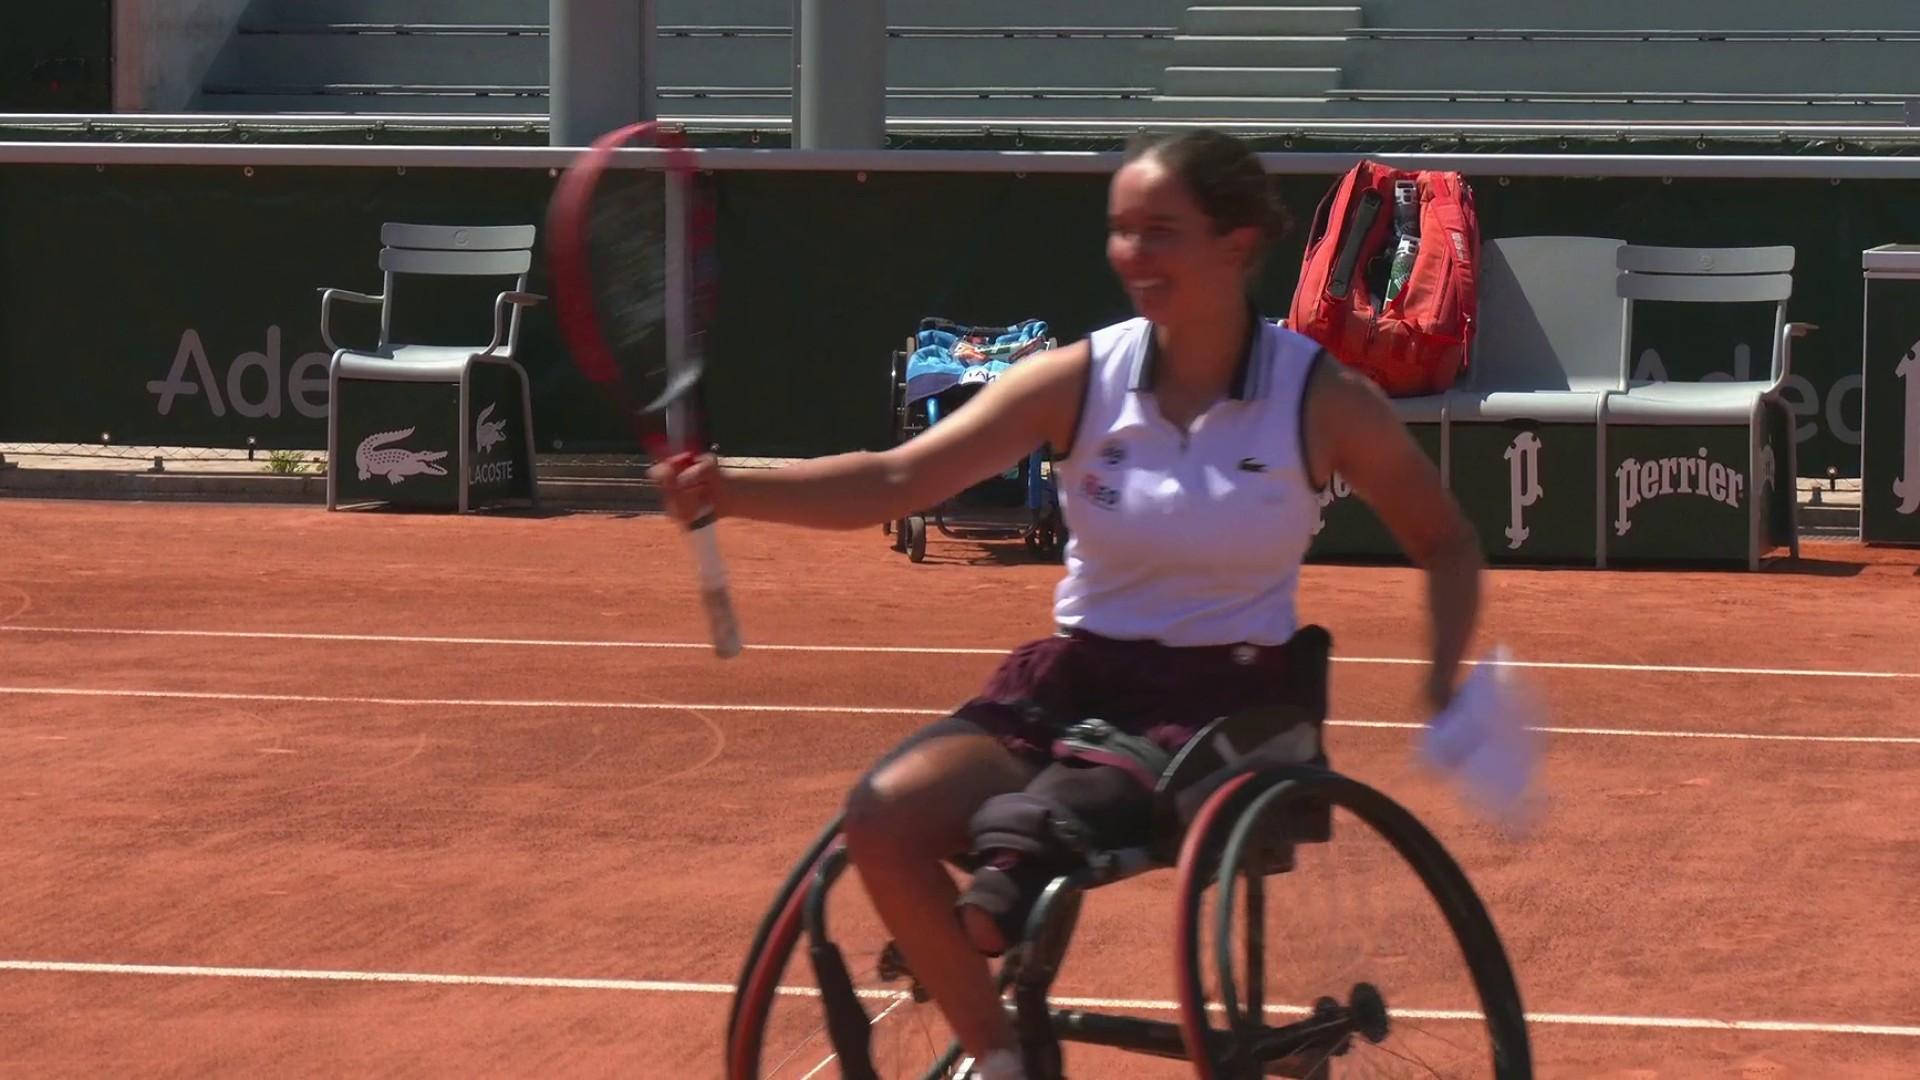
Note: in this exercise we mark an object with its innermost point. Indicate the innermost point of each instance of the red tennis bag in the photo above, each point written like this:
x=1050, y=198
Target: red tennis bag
x=1416, y=340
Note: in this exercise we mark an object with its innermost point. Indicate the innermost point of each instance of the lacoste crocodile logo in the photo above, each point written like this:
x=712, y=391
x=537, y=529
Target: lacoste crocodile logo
x=488, y=434
x=376, y=458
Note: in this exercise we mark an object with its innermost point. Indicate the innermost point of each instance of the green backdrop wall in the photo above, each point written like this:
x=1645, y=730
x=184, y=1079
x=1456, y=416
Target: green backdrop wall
x=177, y=305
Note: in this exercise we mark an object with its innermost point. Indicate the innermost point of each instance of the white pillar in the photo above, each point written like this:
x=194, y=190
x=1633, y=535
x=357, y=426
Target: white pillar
x=601, y=70
x=840, y=88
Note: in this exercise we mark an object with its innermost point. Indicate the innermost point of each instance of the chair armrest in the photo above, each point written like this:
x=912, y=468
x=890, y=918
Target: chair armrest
x=517, y=299
x=1789, y=332
x=327, y=297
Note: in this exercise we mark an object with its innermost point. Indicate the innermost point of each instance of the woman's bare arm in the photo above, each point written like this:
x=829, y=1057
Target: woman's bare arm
x=1352, y=430
x=1036, y=401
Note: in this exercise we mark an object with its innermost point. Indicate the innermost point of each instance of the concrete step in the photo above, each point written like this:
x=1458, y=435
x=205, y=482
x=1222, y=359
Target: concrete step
x=1641, y=14
x=1283, y=107
x=1760, y=67
x=771, y=104
x=728, y=12
x=1830, y=517
x=1266, y=50
x=939, y=12
x=268, y=61
x=312, y=58
x=774, y=106
x=533, y=102
x=1220, y=107
x=268, y=12
x=1271, y=19
x=1443, y=109
x=1249, y=81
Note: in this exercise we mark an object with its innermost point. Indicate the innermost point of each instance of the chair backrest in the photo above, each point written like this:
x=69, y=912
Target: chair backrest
x=1548, y=319
x=456, y=251
x=1705, y=275
x=1687, y=275
x=1647, y=259
x=479, y=250
x=457, y=237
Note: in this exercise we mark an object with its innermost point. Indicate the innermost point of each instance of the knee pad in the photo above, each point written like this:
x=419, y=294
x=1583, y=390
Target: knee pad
x=1027, y=824
x=1021, y=842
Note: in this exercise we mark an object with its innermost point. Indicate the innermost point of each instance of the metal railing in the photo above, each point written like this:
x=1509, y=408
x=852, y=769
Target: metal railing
x=1017, y=162
x=104, y=125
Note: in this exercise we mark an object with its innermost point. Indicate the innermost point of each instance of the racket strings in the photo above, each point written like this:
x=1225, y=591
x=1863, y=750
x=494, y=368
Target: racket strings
x=627, y=249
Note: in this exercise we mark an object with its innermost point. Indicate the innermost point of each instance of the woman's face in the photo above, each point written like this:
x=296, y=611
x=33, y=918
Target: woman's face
x=1167, y=253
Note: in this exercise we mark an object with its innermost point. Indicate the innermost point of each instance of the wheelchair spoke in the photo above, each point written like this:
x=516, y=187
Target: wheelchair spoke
x=1432, y=1033
x=831, y=1058
x=845, y=1001
x=1413, y=1059
x=1360, y=931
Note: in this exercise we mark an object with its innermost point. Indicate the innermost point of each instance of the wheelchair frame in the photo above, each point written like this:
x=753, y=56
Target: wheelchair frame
x=1044, y=532
x=1225, y=843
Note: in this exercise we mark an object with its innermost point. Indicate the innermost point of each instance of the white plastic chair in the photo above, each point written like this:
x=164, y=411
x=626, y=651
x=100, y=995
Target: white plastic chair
x=1711, y=276
x=1547, y=347
x=437, y=250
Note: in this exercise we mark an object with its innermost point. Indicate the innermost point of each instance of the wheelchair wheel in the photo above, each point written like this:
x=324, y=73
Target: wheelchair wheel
x=1324, y=932
x=825, y=993
x=1046, y=538
x=769, y=922
x=915, y=538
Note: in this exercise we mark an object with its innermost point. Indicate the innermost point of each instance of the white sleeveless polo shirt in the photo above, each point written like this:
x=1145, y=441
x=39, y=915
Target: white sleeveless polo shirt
x=1191, y=538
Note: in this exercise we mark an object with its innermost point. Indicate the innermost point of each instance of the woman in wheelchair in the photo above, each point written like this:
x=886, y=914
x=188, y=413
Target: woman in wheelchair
x=1198, y=439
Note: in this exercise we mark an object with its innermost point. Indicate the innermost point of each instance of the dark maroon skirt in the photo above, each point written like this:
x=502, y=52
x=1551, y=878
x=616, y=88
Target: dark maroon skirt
x=1161, y=692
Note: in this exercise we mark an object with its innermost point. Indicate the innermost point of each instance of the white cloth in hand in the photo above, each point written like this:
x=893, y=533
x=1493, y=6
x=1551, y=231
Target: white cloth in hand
x=1000, y=1065
x=1483, y=741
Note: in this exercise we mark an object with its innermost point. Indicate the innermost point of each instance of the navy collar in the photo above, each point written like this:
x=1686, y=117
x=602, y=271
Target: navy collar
x=1241, y=389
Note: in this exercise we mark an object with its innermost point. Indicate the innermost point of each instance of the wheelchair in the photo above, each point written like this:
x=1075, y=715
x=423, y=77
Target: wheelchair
x=1022, y=503
x=1246, y=817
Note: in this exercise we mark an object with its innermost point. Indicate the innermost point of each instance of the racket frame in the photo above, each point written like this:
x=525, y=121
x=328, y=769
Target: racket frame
x=568, y=220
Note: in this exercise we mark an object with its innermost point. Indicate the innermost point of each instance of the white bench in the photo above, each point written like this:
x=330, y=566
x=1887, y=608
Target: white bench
x=1557, y=455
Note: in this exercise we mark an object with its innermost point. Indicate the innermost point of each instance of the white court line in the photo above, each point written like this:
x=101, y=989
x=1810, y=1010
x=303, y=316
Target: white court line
x=557, y=643
x=919, y=650
x=476, y=703
x=654, y=986
x=851, y=710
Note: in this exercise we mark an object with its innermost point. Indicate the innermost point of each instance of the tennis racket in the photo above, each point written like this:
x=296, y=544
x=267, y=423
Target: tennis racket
x=636, y=331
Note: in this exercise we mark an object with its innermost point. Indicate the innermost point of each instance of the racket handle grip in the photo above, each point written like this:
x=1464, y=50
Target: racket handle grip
x=722, y=628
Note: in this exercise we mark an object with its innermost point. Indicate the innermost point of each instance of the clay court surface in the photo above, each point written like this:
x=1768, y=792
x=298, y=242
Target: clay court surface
x=297, y=793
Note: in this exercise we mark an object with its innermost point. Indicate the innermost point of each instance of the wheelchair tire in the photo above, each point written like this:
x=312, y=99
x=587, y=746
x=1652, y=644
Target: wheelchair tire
x=1226, y=838
x=795, y=941
x=916, y=538
x=795, y=878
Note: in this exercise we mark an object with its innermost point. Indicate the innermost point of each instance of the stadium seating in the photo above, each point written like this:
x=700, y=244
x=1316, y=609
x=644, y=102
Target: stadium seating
x=1126, y=59
x=714, y=59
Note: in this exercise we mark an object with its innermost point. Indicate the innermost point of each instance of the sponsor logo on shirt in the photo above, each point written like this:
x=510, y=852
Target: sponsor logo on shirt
x=1100, y=494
